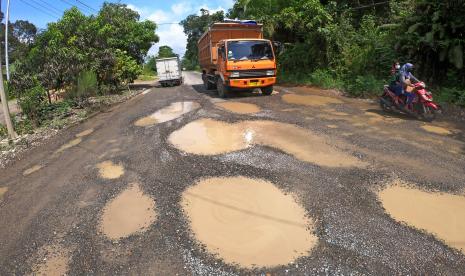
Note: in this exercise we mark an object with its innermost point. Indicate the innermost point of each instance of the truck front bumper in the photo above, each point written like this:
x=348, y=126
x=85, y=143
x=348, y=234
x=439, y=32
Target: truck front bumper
x=251, y=83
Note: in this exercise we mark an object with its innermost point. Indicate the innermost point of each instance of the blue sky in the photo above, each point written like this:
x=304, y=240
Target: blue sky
x=41, y=12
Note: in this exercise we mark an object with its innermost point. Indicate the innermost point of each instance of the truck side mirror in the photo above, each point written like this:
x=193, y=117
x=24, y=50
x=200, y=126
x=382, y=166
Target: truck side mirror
x=221, y=52
x=278, y=47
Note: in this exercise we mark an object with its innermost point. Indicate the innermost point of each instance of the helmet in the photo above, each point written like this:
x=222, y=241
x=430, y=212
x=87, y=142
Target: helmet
x=408, y=67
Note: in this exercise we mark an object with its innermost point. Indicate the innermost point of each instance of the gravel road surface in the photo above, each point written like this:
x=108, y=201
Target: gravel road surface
x=179, y=182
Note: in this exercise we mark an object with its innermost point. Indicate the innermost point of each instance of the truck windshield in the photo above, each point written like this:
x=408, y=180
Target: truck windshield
x=249, y=50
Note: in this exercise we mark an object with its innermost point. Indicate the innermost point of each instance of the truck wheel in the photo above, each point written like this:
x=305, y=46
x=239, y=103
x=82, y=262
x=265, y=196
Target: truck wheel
x=206, y=84
x=223, y=90
x=267, y=90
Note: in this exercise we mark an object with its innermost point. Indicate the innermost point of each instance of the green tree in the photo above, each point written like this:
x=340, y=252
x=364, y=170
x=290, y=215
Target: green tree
x=166, y=52
x=108, y=49
x=194, y=27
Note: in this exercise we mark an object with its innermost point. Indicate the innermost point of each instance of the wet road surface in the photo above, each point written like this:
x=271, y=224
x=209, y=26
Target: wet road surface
x=178, y=181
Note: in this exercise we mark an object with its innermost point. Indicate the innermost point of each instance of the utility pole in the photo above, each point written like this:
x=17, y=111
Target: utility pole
x=7, y=21
x=6, y=110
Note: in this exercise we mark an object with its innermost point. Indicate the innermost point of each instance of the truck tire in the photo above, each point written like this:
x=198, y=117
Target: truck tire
x=223, y=90
x=267, y=90
x=206, y=84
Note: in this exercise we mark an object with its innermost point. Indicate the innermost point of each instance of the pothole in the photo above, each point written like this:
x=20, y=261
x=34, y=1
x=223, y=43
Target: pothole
x=3, y=191
x=436, y=130
x=171, y=112
x=441, y=214
x=310, y=100
x=32, y=170
x=129, y=213
x=85, y=133
x=248, y=222
x=239, y=108
x=110, y=170
x=69, y=145
x=55, y=262
x=211, y=137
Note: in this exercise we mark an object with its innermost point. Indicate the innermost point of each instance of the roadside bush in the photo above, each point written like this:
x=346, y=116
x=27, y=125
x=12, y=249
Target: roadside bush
x=325, y=79
x=364, y=86
x=23, y=126
x=32, y=102
x=126, y=69
x=86, y=86
x=57, y=110
x=451, y=95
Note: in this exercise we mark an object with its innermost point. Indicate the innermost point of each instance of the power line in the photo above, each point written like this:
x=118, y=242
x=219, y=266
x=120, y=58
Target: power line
x=85, y=5
x=72, y=5
x=45, y=7
x=39, y=9
x=51, y=6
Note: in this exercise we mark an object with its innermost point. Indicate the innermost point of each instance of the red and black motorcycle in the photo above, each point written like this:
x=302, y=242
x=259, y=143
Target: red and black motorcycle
x=422, y=106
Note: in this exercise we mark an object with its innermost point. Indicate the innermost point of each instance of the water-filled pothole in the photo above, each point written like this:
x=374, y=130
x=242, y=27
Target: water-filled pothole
x=69, y=145
x=32, y=170
x=85, y=133
x=110, y=170
x=436, y=129
x=239, y=108
x=438, y=213
x=211, y=137
x=248, y=222
x=171, y=112
x=311, y=100
x=3, y=191
x=129, y=213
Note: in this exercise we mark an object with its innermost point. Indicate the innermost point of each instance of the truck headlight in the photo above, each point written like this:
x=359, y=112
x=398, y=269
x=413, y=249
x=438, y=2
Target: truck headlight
x=235, y=74
x=270, y=73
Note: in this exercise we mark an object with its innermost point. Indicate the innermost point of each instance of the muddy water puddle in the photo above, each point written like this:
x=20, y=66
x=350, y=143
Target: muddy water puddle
x=436, y=130
x=441, y=214
x=55, y=262
x=238, y=107
x=85, y=133
x=3, y=191
x=32, y=170
x=211, y=137
x=248, y=222
x=69, y=145
x=110, y=170
x=311, y=100
x=129, y=213
x=171, y=112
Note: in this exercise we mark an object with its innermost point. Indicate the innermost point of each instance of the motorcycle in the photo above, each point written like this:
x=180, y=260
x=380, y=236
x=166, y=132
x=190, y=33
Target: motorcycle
x=423, y=107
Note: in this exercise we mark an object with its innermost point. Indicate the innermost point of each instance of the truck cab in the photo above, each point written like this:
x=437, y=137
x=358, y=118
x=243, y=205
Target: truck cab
x=234, y=57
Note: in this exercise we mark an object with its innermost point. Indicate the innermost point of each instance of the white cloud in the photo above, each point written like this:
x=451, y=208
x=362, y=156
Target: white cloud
x=159, y=16
x=181, y=8
x=173, y=34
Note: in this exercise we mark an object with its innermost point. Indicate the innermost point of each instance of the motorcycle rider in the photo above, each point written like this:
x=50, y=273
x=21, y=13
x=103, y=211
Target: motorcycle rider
x=406, y=79
x=402, y=78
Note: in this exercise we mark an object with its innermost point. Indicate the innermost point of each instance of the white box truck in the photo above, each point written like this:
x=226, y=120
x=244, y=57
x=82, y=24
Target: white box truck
x=169, y=71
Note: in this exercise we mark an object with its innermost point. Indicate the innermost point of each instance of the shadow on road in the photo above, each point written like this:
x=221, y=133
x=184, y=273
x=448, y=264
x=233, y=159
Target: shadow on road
x=233, y=94
x=393, y=114
x=143, y=85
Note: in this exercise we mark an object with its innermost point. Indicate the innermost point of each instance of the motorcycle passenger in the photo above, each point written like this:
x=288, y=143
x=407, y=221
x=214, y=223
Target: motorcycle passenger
x=395, y=84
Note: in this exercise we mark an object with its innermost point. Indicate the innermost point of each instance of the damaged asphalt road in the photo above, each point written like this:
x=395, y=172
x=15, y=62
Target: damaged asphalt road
x=328, y=165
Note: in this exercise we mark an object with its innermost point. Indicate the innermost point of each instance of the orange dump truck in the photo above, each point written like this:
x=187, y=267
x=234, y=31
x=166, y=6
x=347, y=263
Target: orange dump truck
x=234, y=56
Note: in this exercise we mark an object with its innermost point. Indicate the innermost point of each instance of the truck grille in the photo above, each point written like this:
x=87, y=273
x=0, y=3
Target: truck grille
x=252, y=74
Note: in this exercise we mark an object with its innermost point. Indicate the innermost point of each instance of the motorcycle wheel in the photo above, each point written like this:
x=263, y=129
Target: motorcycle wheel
x=428, y=114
